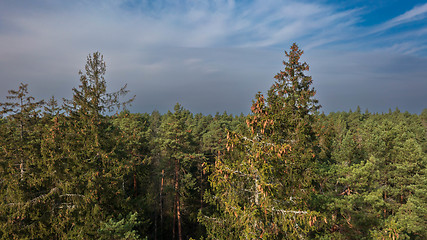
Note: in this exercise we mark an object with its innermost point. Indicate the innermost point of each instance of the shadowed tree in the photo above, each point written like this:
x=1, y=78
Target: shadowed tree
x=180, y=159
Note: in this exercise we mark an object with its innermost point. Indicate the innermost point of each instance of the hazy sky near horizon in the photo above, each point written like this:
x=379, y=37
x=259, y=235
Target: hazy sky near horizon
x=215, y=55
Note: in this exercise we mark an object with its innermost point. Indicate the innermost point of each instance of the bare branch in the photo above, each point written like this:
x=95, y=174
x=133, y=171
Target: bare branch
x=289, y=211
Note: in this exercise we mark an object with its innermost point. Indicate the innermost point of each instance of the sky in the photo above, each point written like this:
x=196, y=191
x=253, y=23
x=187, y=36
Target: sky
x=215, y=55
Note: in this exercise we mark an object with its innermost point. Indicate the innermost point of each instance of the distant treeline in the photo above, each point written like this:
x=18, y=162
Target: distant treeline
x=285, y=171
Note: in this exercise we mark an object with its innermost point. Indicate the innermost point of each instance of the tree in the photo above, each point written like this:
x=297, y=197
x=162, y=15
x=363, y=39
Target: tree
x=121, y=229
x=180, y=160
x=134, y=147
x=23, y=184
x=91, y=190
x=375, y=184
x=262, y=184
x=138, y=173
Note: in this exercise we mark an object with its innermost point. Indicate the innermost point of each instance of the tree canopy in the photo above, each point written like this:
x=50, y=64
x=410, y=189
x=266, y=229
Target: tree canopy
x=88, y=168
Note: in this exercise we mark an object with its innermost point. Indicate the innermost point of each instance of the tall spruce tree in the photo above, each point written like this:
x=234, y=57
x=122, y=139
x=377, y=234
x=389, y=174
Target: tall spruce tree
x=92, y=190
x=23, y=185
x=262, y=184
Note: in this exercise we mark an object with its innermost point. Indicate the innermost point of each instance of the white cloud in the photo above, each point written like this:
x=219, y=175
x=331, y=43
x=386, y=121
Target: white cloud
x=415, y=14
x=225, y=50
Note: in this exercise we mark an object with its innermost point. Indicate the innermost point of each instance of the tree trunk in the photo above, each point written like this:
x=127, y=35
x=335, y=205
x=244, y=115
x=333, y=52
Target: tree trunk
x=161, y=203
x=134, y=185
x=174, y=219
x=179, y=219
x=201, y=186
x=256, y=192
x=21, y=167
x=177, y=202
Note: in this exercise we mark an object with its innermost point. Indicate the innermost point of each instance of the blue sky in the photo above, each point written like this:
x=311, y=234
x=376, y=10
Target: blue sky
x=214, y=56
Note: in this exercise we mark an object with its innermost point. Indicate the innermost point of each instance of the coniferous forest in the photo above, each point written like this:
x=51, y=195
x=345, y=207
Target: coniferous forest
x=87, y=168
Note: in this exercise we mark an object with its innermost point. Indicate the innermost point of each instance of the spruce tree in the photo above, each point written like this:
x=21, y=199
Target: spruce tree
x=93, y=190
x=23, y=185
x=262, y=184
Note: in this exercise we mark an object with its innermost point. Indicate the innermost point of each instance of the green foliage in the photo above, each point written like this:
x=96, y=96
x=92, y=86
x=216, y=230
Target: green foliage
x=62, y=172
x=179, y=161
x=283, y=172
x=373, y=188
x=121, y=229
x=23, y=185
x=94, y=165
x=262, y=183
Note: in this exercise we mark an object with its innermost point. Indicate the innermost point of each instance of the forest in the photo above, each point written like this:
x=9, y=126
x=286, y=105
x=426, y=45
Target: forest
x=88, y=168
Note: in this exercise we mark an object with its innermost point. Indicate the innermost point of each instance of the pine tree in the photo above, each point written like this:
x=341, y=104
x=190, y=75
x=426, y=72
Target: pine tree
x=121, y=229
x=180, y=160
x=375, y=187
x=262, y=184
x=157, y=175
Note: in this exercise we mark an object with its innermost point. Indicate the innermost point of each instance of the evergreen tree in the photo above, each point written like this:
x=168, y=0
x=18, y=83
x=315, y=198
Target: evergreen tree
x=262, y=185
x=157, y=175
x=23, y=185
x=376, y=178
x=121, y=229
x=92, y=190
x=133, y=147
x=180, y=162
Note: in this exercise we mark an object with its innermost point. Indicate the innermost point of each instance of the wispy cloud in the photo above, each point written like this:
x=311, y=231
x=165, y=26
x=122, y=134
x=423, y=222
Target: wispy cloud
x=415, y=14
x=162, y=47
x=185, y=23
x=121, y=26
